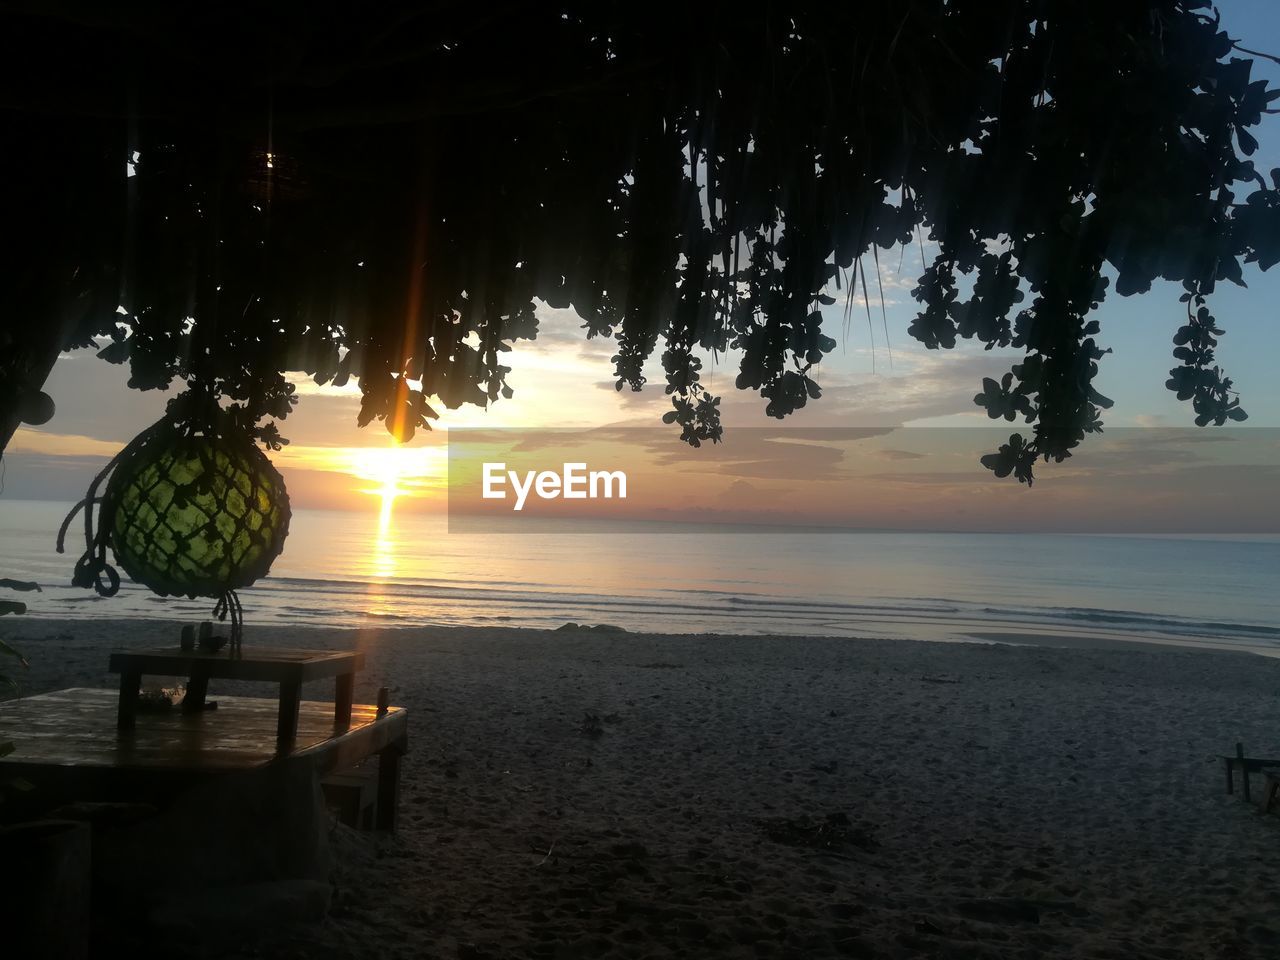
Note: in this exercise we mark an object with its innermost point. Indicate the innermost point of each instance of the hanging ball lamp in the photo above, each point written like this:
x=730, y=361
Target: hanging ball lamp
x=192, y=507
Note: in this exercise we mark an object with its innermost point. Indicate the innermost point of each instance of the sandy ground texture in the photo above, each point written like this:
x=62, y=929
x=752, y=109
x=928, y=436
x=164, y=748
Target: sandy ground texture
x=783, y=797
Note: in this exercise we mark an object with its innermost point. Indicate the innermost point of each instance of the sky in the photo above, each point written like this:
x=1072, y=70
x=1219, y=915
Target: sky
x=915, y=474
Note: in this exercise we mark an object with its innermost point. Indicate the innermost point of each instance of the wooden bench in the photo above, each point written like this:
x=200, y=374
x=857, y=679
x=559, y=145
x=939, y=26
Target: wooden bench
x=67, y=745
x=1247, y=766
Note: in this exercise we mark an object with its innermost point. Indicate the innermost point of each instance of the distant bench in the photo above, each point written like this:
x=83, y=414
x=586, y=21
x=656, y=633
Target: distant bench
x=1247, y=765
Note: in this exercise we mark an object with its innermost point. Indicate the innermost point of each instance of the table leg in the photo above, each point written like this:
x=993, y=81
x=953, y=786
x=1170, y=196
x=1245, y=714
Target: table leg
x=389, y=784
x=130, y=684
x=1244, y=769
x=287, y=725
x=343, y=695
x=197, y=688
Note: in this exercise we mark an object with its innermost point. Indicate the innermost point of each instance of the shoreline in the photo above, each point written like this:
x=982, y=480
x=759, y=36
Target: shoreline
x=953, y=631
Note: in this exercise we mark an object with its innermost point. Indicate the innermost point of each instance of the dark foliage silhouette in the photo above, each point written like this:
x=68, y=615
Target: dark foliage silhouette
x=381, y=193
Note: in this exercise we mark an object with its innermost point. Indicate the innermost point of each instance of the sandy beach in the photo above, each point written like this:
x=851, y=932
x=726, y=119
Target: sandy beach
x=784, y=797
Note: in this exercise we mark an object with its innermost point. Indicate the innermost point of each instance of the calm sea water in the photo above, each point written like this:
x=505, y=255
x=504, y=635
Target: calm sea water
x=348, y=569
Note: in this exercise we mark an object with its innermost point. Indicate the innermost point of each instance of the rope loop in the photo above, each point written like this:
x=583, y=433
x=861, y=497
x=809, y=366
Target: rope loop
x=229, y=605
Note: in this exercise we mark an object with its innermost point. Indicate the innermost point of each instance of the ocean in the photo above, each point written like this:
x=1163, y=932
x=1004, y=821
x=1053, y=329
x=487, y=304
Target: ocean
x=356, y=570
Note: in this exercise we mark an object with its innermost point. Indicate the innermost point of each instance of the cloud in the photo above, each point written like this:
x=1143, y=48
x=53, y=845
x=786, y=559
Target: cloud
x=93, y=399
x=957, y=479
x=305, y=386
x=1147, y=451
x=35, y=440
x=888, y=454
x=803, y=463
x=923, y=386
x=34, y=476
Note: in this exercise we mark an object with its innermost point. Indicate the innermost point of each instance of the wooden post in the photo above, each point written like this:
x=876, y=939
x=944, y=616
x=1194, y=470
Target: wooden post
x=384, y=701
x=389, y=784
x=130, y=684
x=287, y=725
x=197, y=688
x=343, y=693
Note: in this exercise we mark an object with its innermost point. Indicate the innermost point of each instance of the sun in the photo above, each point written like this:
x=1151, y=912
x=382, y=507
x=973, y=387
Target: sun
x=384, y=467
x=393, y=473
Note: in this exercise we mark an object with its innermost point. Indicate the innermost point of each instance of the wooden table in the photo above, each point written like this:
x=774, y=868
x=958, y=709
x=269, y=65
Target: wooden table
x=289, y=668
x=66, y=745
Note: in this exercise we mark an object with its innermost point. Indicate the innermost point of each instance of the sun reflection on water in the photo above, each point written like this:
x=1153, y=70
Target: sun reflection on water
x=383, y=562
x=384, y=559
x=408, y=481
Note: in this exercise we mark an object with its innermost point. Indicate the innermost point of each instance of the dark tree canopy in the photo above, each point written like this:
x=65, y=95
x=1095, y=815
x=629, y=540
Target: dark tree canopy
x=382, y=191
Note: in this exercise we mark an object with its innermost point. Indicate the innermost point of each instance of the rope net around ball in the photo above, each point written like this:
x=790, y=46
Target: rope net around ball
x=195, y=517
x=187, y=514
